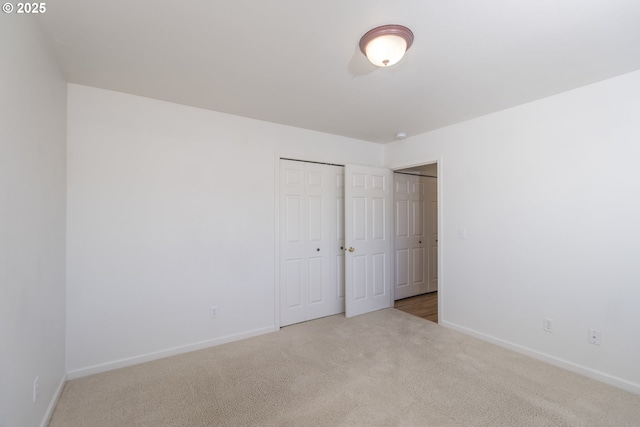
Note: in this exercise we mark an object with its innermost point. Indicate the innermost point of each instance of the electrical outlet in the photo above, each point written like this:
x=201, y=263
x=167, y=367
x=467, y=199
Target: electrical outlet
x=547, y=324
x=214, y=311
x=36, y=388
x=595, y=336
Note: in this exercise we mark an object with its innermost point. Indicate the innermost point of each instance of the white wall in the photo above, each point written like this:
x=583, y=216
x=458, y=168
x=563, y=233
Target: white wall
x=549, y=193
x=170, y=211
x=32, y=223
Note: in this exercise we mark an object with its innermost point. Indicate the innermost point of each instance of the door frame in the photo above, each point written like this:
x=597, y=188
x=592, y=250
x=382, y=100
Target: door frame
x=421, y=162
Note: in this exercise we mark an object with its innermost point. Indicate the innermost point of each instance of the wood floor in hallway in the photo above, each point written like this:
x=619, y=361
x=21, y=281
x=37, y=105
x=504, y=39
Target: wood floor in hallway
x=425, y=306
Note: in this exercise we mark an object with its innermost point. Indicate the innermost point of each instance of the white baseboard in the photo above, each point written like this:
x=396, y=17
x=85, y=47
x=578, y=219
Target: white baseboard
x=135, y=360
x=552, y=360
x=54, y=402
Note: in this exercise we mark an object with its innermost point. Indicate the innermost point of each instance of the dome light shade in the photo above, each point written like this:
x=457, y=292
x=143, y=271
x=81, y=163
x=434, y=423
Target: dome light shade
x=386, y=45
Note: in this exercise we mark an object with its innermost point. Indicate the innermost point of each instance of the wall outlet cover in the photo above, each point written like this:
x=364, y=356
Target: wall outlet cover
x=595, y=336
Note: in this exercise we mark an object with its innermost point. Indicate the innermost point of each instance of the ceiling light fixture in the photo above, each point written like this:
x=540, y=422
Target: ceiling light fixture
x=386, y=45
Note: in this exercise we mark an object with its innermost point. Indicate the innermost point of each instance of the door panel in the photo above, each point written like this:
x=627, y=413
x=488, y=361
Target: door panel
x=332, y=301
x=312, y=233
x=359, y=226
x=292, y=308
x=315, y=279
x=293, y=177
x=417, y=217
x=359, y=278
x=402, y=218
x=292, y=247
x=292, y=213
x=369, y=230
x=379, y=216
x=314, y=177
x=379, y=273
x=359, y=180
x=314, y=211
x=418, y=266
x=402, y=267
x=412, y=236
x=294, y=283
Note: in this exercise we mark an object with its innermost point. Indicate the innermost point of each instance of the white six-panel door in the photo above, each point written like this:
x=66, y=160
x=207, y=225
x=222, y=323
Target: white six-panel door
x=311, y=237
x=368, y=229
x=415, y=235
x=411, y=243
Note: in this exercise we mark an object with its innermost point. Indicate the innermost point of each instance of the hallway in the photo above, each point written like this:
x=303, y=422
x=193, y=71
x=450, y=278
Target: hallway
x=425, y=306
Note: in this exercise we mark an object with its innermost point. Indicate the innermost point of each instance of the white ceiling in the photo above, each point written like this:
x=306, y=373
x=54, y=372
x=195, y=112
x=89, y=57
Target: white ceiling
x=297, y=62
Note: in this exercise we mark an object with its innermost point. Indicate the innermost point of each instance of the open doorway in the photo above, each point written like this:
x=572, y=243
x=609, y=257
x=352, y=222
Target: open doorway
x=416, y=241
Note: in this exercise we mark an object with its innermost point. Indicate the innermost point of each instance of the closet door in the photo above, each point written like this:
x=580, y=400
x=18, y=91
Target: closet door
x=324, y=189
x=413, y=238
x=293, y=247
x=310, y=253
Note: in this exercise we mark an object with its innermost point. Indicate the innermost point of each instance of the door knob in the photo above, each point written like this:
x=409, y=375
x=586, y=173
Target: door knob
x=351, y=249
x=318, y=249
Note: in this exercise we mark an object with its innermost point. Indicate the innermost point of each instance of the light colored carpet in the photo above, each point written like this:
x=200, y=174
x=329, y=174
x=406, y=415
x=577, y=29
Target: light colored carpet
x=386, y=368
